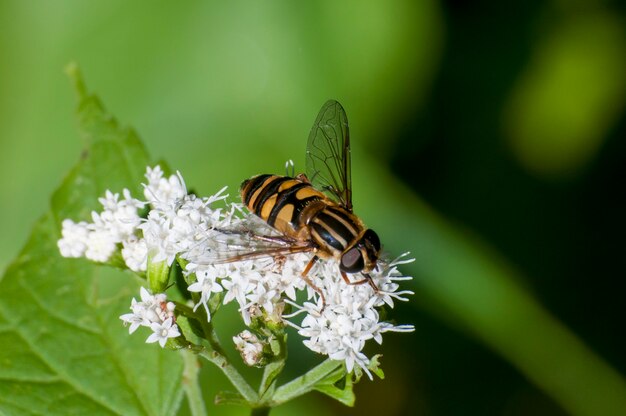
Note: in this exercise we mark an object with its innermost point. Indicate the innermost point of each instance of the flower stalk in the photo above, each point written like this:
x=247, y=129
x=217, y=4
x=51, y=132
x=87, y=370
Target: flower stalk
x=191, y=370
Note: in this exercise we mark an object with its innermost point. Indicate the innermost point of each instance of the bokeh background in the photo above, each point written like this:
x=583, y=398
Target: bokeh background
x=498, y=130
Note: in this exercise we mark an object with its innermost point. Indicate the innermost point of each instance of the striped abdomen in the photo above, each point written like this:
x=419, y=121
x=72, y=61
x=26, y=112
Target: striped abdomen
x=281, y=201
x=298, y=210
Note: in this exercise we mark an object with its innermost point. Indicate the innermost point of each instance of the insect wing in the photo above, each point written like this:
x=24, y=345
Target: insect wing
x=251, y=239
x=328, y=154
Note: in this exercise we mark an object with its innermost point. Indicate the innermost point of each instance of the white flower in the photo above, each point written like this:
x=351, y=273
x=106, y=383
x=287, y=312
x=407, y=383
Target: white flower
x=163, y=331
x=135, y=254
x=120, y=218
x=177, y=221
x=177, y=226
x=349, y=317
x=160, y=190
x=137, y=318
x=74, y=240
x=98, y=240
x=206, y=285
x=155, y=312
x=100, y=245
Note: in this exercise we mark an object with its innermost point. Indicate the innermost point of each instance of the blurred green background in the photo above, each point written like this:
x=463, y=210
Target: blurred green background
x=506, y=119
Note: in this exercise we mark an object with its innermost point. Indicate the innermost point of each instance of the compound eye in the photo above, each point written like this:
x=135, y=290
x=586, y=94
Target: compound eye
x=352, y=261
x=373, y=239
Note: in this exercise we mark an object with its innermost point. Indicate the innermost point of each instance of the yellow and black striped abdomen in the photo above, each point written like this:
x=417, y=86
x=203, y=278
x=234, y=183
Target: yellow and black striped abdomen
x=334, y=229
x=279, y=200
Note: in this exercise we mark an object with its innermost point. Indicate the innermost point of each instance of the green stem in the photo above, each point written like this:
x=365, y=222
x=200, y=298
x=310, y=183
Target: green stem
x=158, y=275
x=217, y=356
x=191, y=385
x=305, y=383
x=260, y=411
x=274, y=368
x=232, y=374
x=270, y=372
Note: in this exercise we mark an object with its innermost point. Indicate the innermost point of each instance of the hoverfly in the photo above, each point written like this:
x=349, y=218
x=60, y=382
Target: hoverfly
x=312, y=212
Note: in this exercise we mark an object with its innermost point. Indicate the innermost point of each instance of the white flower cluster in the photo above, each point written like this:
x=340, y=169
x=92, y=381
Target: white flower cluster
x=183, y=225
x=349, y=316
x=154, y=312
x=259, y=285
x=98, y=240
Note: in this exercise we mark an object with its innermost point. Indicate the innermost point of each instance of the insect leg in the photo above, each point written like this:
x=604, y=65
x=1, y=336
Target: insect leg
x=368, y=279
x=308, y=281
x=308, y=267
x=345, y=278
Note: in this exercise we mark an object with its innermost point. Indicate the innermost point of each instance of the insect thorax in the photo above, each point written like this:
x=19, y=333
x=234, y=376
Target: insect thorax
x=334, y=229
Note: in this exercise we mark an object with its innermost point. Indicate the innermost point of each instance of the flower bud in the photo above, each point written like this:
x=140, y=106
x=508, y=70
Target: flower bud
x=252, y=350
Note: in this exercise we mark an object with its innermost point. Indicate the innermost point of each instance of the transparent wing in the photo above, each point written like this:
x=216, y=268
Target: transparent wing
x=328, y=154
x=250, y=239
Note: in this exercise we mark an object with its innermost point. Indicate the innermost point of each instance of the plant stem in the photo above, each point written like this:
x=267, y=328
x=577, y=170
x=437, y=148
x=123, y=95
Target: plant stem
x=274, y=368
x=190, y=383
x=305, y=383
x=271, y=371
x=216, y=356
x=260, y=411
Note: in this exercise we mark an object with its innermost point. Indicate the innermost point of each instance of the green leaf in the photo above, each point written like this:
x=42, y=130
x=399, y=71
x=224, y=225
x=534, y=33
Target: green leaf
x=342, y=393
x=229, y=397
x=190, y=328
x=64, y=349
x=339, y=386
x=373, y=366
x=307, y=382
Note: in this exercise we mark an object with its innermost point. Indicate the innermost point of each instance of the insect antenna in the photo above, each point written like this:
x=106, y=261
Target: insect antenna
x=290, y=166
